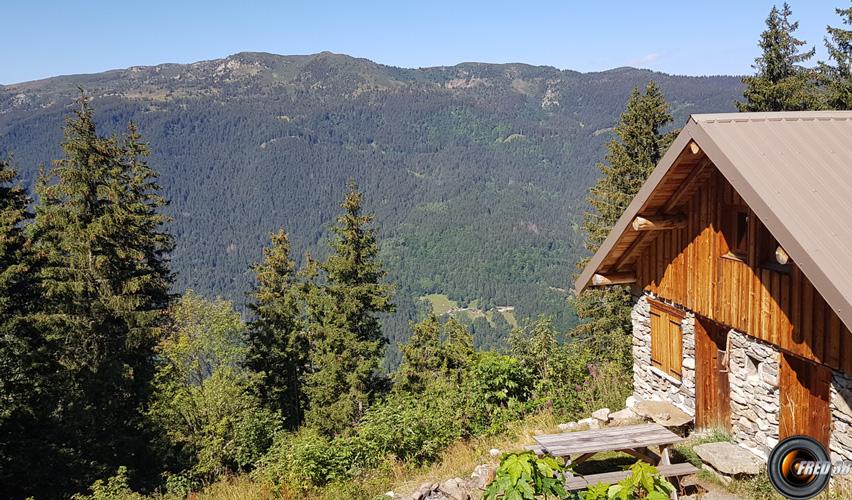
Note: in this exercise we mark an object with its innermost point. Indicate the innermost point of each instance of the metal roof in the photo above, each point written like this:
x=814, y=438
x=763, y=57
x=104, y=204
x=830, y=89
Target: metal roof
x=794, y=169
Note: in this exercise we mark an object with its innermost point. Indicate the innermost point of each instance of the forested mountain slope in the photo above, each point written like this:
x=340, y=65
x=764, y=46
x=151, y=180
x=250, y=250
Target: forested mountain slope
x=476, y=172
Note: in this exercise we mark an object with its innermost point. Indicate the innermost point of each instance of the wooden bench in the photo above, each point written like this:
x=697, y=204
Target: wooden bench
x=574, y=483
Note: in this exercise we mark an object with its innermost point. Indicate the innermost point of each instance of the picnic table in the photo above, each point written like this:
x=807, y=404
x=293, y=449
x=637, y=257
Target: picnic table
x=635, y=440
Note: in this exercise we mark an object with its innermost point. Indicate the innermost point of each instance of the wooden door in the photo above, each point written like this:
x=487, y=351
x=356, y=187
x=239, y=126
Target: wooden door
x=712, y=391
x=804, y=390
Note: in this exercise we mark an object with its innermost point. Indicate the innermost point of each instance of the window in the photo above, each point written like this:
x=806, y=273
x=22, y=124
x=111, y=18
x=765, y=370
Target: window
x=666, y=339
x=770, y=254
x=735, y=231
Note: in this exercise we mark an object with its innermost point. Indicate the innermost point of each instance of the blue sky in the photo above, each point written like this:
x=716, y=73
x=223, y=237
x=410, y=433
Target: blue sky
x=47, y=38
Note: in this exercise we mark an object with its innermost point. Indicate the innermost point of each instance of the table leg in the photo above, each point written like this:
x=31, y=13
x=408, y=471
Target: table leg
x=664, y=455
x=582, y=458
x=643, y=454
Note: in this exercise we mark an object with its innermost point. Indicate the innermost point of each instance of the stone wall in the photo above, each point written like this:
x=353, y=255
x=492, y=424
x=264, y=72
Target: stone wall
x=651, y=383
x=755, y=401
x=753, y=367
x=841, y=417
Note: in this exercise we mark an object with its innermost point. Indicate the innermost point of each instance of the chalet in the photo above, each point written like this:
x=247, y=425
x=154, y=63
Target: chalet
x=738, y=249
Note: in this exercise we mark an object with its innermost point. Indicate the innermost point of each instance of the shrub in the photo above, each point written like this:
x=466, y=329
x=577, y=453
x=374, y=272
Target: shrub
x=500, y=380
x=415, y=429
x=608, y=386
x=204, y=401
x=306, y=459
x=113, y=488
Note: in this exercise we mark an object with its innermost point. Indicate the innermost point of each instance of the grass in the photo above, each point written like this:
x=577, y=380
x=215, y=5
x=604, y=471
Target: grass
x=510, y=318
x=441, y=304
x=684, y=451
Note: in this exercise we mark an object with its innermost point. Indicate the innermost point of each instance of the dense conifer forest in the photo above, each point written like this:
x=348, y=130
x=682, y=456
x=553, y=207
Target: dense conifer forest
x=477, y=173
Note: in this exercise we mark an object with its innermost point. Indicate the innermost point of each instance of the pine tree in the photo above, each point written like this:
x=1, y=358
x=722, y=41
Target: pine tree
x=103, y=273
x=638, y=145
x=837, y=74
x=345, y=333
x=781, y=83
x=277, y=340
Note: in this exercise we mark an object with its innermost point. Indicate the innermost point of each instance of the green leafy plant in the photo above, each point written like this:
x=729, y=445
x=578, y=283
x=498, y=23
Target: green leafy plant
x=599, y=491
x=643, y=482
x=523, y=476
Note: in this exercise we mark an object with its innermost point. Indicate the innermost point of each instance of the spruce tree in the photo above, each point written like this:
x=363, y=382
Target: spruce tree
x=837, y=74
x=26, y=457
x=277, y=340
x=17, y=294
x=638, y=145
x=435, y=352
x=781, y=83
x=346, y=341
x=103, y=273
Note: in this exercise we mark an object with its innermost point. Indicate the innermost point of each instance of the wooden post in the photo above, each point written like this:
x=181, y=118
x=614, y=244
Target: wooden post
x=614, y=279
x=659, y=222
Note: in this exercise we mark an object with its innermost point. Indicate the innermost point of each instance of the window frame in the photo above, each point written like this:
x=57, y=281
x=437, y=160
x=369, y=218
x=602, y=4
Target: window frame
x=766, y=245
x=737, y=246
x=666, y=339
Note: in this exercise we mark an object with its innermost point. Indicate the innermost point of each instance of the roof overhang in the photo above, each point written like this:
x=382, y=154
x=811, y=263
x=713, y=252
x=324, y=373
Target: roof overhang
x=810, y=256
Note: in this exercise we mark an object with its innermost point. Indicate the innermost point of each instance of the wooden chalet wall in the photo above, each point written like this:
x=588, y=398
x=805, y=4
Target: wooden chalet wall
x=688, y=267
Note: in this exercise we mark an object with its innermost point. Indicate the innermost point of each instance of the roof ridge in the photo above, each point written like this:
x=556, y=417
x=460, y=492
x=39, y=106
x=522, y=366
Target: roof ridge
x=768, y=116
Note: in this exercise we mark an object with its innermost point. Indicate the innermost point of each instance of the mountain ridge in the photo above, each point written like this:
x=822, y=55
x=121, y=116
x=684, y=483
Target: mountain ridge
x=326, y=53
x=477, y=172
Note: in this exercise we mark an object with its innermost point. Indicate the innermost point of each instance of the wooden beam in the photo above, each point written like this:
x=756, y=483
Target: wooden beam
x=659, y=222
x=631, y=251
x=624, y=278
x=676, y=198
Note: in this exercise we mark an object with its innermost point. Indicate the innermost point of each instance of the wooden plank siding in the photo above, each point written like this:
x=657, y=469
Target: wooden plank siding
x=689, y=266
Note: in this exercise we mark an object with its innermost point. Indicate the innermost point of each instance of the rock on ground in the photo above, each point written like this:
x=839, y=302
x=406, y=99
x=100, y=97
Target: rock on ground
x=602, y=415
x=568, y=426
x=591, y=423
x=662, y=412
x=623, y=416
x=729, y=459
x=454, y=489
x=483, y=475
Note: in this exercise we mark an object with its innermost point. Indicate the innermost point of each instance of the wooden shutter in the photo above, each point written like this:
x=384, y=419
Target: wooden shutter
x=675, y=347
x=666, y=339
x=658, y=349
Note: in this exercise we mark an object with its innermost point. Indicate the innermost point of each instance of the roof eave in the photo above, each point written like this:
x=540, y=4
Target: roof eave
x=636, y=205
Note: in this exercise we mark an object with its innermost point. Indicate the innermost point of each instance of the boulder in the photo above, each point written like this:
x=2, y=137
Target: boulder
x=591, y=423
x=483, y=475
x=494, y=452
x=454, y=489
x=602, y=415
x=568, y=426
x=624, y=416
x=630, y=402
x=424, y=491
x=663, y=413
x=729, y=459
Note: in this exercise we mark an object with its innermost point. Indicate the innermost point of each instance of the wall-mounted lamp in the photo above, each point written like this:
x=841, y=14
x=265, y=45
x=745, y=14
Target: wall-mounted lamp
x=781, y=256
